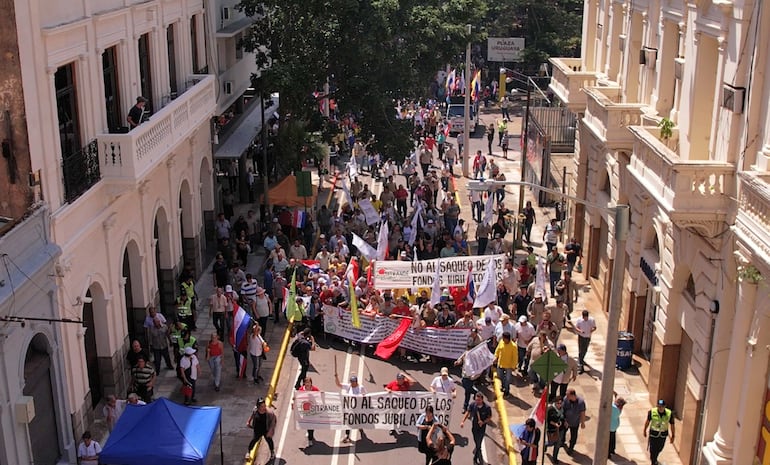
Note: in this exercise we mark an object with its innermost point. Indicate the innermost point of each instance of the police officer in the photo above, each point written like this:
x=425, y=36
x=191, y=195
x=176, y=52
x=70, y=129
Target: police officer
x=660, y=420
x=184, y=311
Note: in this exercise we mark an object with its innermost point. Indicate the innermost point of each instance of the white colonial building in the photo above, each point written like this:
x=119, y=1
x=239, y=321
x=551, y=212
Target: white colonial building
x=125, y=208
x=673, y=103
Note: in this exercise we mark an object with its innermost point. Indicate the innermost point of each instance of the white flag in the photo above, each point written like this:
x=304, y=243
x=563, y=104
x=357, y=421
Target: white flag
x=435, y=293
x=477, y=360
x=417, y=218
x=348, y=197
x=489, y=209
x=488, y=289
x=382, y=241
x=353, y=167
x=364, y=248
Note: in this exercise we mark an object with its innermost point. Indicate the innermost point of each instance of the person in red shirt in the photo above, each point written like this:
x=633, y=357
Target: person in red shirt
x=307, y=385
x=401, y=383
x=430, y=143
x=401, y=195
x=401, y=308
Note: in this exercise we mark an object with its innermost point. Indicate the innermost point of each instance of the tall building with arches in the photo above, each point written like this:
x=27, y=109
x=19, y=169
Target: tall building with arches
x=100, y=211
x=672, y=100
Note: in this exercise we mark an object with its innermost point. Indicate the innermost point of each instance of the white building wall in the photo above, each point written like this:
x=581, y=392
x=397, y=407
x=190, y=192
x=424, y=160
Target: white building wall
x=95, y=229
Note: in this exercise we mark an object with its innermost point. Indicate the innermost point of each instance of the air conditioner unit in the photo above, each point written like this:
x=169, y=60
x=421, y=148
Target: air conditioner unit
x=732, y=98
x=678, y=68
x=648, y=56
x=228, y=87
x=225, y=13
x=622, y=42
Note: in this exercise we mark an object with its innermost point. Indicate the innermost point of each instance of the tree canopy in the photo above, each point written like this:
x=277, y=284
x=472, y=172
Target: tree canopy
x=372, y=52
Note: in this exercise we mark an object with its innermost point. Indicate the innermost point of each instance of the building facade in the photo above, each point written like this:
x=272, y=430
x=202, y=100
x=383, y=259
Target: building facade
x=672, y=101
x=125, y=206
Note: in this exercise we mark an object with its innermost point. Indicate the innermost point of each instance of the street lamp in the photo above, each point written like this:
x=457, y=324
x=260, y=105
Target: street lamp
x=621, y=213
x=467, y=107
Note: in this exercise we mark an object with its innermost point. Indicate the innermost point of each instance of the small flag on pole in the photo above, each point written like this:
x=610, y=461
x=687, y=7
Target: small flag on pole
x=354, y=306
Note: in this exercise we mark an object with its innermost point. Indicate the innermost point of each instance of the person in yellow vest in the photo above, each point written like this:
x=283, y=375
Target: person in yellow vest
x=660, y=421
x=502, y=126
x=184, y=311
x=188, y=287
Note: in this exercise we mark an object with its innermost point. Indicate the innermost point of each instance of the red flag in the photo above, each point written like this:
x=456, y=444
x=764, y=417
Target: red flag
x=369, y=281
x=388, y=345
x=538, y=413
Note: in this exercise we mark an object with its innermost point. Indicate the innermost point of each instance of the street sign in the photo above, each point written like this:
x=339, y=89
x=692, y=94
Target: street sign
x=504, y=49
x=548, y=366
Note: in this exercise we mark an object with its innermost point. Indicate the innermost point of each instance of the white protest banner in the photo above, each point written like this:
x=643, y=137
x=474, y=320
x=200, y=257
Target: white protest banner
x=372, y=217
x=448, y=343
x=477, y=360
x=380, y=410
x=391, y=274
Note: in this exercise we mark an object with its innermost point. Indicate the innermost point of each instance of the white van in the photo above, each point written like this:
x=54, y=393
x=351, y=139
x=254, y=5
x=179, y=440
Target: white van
x=455, y=116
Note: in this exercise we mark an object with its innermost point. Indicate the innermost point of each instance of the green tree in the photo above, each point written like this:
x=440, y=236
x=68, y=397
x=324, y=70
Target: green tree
x=551, y=28
x=374, y=52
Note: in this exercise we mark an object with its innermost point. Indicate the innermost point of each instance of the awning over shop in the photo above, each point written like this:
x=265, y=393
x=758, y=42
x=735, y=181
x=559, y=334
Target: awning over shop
x=244, y=133
x=285, y=194
x=232, y=29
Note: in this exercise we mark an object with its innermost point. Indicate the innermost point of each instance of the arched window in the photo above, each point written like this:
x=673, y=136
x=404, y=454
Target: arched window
x=689, y=288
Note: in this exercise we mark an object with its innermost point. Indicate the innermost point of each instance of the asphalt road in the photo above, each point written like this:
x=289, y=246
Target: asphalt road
x=371, y=446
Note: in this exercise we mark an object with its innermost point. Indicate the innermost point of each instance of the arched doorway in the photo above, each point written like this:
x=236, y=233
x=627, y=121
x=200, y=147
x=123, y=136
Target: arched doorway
x=206, y=195
x=134, y=316
x=164, y=267
x=187, y=230
x=92, y=354
x=43, y=429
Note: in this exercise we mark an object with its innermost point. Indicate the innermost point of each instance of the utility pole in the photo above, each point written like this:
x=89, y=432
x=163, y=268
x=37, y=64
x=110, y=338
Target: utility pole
x=622, y=218
x=265, y=175
x=622, y=214
x=467, y=108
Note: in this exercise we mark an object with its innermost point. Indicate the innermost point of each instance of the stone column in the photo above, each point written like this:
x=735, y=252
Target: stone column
x=754, y=386
x=720, y=450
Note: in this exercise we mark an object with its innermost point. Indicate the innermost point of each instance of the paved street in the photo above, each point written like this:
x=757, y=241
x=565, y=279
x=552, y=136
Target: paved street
x=237, y=396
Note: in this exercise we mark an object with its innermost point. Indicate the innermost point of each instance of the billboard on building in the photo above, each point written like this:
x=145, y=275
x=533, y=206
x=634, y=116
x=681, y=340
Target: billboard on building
x=504, y=49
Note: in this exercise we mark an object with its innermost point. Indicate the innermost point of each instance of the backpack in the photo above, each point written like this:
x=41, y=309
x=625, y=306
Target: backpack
x=294, y=349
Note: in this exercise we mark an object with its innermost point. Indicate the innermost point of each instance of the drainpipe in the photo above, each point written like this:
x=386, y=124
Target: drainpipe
x=703, y=412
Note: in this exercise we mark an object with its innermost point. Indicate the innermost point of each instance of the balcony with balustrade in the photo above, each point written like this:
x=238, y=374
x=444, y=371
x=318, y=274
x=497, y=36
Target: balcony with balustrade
x=753, y=219
x=568, y=79
x=609, y=119
x=125, y=159
x=685, y=188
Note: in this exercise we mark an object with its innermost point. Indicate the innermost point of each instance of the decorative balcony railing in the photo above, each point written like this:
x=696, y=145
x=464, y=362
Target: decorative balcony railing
x=80, y=171
x=129, y=157
x=754, y=205
x=609, y=119
x=567, y=81
x=695, y=186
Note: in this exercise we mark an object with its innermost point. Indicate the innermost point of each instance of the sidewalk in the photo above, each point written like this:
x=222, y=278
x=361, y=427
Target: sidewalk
x=631, y=445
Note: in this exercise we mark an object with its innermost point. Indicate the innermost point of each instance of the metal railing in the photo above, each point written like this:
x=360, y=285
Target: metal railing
x=80, y=171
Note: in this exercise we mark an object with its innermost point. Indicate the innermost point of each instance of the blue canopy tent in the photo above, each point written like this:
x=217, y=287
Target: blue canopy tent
x=162, y=433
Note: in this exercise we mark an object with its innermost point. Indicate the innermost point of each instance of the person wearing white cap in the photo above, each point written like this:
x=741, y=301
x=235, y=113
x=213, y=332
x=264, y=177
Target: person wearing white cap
x=525, y=332
x=189, y=368
x=443, y=383
x=536, y=307
x=493, y=311
x=505, y=326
